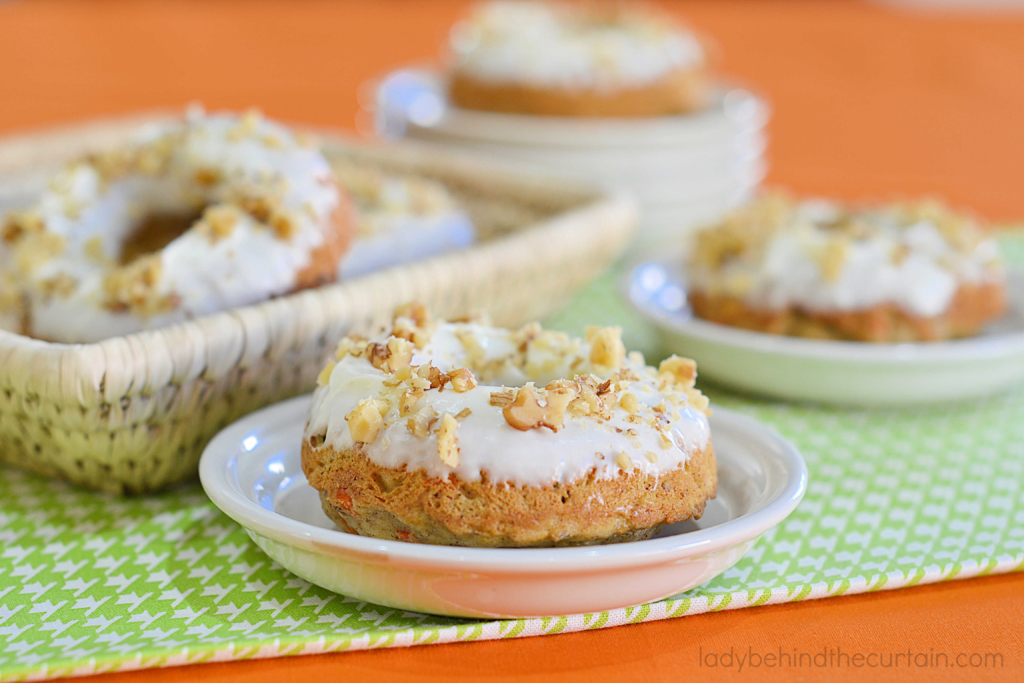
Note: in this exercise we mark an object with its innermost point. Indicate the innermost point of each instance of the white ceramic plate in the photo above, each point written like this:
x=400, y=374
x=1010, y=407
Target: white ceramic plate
x=845, y=373
x=417, y=98
x=252, y=472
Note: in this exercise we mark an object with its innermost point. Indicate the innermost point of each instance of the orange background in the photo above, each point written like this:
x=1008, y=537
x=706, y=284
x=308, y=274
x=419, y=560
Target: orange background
x=868, y=102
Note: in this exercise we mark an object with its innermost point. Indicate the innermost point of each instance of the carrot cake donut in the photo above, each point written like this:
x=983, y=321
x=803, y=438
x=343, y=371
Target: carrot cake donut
x=190, y=218
x=466, y=434
x=914, y=272
x=611, y=59
x=399, y=219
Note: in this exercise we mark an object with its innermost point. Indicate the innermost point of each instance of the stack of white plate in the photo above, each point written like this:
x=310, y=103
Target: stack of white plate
x=684, y=170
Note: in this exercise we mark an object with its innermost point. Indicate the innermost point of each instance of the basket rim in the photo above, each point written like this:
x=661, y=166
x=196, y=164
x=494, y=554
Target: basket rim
x=83, y=368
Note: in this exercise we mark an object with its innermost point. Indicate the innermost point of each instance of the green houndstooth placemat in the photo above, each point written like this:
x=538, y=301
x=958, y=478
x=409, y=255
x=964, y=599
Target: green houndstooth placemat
x=90, y=583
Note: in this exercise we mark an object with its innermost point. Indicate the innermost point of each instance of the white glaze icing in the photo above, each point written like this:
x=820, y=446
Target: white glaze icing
x=249, y=264
x=895, y=257
x=557, y=45
x=487, y=443
x=399, y=219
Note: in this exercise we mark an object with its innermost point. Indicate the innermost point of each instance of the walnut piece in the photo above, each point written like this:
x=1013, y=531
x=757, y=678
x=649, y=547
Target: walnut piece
x=526, y=412
x=365, y=420
x=448, y=441
x=606, y=349
x=462, y=380
x=678, y=371
x=325, y=375
x=392, y=355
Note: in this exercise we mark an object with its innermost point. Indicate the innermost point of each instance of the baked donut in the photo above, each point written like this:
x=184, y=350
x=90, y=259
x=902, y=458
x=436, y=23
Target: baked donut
x=609, y=59
x=190, y=218
x=466, y=434
x=914, y=272
x=399, y=218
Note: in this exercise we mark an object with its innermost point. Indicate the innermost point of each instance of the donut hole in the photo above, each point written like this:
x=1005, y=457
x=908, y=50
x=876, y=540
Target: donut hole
x=154, y=232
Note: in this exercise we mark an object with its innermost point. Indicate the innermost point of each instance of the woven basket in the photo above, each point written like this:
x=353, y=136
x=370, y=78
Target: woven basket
x=132, y=414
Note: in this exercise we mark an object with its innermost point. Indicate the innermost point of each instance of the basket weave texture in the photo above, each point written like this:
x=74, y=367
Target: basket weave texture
x=132, y=414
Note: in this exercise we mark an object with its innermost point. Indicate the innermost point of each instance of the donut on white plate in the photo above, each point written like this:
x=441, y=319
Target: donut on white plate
x=190, y=218
x=467, y=434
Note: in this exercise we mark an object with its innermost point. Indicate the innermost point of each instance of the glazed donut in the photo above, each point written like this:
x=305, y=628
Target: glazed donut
x=190, y=218
x=399, y=218
x=559, y=59
x=466, y=434
x=816, y=268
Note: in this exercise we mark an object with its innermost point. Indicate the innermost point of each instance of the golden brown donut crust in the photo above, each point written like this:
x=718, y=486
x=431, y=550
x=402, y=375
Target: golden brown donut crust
x=973, y=307
x=395, y=504
x=679, y=92
x=338, y=236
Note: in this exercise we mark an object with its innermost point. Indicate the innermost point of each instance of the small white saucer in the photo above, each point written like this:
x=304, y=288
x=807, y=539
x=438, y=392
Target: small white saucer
x=837, y=372
x=417, y=98
x=252, y=471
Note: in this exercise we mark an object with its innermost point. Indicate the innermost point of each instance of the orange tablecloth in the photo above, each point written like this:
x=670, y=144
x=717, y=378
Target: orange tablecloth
x=868, y=102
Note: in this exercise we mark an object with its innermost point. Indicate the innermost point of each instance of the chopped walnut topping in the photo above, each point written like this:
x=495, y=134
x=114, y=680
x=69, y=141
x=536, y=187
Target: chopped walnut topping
x=652, y=456
x=325, y=375
x=833, y=258
x=396, y=353
x=629, y=402
x=93, y=249
x=219, y=221
x=448, y=441
x=410, y=397
x=412, y=322
x=697, y=399
x=36, y=248
x=61, y=285
x=624, y=461
x=503, y=398
x=526, y=412
x=606, y=350
x=463, y=414
x=365, y=420
x=462, y=380
x=134, y=288
x=678, y=371
x=19, y=223
x=284, y=225
x=246, y=126
x=422, y=421
x=207, y=177
x=350, y=346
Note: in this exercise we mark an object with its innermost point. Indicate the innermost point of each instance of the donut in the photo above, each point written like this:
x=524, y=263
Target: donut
x=817, y=268
x=189, y=218
x=558, y=59
x=399, y=218
x=460, y=433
